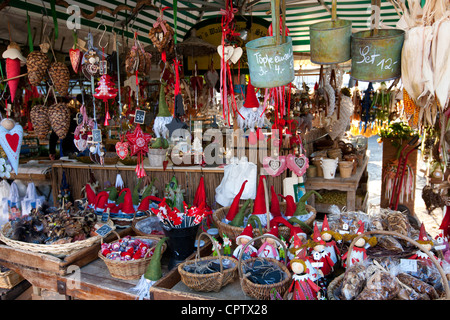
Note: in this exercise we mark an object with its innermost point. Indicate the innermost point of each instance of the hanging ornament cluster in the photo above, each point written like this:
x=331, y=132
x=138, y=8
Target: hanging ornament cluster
x=83, y=130
x=106, y=91
x=90, y=64
x=162, y=36
x=138, y=61
x=137, y=144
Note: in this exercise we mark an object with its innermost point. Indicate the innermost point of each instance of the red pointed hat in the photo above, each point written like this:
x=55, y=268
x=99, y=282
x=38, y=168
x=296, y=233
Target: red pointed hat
x=251, y=101
x=200, y=195
x=274, y=203
x=361, y=227
x=325, y=226
x=112, y=207
x=273, y=231
x=423, y=237
x=101, y=200
x=259, y=206
x=234, y=208
x=246, y=233
x=317, y=237
x=145, y=204
x=127, y=202
x=90, y=194
x=290, y=205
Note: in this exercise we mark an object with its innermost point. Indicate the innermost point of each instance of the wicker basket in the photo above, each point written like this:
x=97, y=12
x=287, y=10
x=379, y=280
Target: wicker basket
x=333, y=289
x=212, y=281
x=263, y=291
x=53, y=249
x=232, y=232
x=133, y=269
x=9, y=279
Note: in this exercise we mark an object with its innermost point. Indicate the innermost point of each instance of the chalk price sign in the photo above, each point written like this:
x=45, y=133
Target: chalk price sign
x=383, y=63
x=277, y=63
x=139, y=116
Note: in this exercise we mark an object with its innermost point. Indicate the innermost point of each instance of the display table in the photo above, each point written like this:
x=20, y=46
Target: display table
x=348, y=185
x=81, y=275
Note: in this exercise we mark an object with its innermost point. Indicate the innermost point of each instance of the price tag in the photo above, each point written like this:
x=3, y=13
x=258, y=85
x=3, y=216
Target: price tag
x=103, y=231
x=408, y=265
x=139, y=116
x=96, y=135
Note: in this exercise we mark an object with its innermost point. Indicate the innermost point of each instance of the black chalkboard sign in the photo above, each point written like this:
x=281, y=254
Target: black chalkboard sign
x=139, y=116
x=96, y=135
x=104, y=230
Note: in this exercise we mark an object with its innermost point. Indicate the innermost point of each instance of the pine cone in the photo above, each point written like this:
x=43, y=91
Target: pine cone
x=37, y=65
x=59, y=115
x=60, y=75
x=40, y=121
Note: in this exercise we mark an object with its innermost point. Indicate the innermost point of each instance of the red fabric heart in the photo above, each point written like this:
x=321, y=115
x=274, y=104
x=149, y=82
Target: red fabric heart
x=13, y=141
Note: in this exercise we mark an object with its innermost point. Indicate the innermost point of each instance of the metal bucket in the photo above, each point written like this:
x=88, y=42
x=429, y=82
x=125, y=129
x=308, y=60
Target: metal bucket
x=330, y=41
x=271, y=59
x=376, y=54
x=270, y=65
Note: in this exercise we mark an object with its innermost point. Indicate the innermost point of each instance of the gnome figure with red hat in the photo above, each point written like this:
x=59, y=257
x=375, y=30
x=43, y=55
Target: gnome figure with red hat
x=302, y=286
x=427, y=243
x=251, y=114
x=241, y=241
x=330, y=237
x=358, y=253
x=269, y=248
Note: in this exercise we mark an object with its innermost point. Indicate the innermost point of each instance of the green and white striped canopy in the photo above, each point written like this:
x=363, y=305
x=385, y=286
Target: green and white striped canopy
x=300, y=15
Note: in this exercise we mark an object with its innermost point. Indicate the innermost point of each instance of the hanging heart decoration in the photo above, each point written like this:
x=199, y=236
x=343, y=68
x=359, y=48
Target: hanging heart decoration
x=75, y=59
x=11, y=142
x=297, y=164
x=236, y=55
x=225, y=52
x=274, y=166
x=122, y=149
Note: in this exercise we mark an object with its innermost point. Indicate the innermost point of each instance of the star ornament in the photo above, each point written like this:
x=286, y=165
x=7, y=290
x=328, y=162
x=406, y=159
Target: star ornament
x=138, y=140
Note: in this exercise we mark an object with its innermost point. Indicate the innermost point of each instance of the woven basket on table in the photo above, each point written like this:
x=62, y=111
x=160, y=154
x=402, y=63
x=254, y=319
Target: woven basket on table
x=54, y=249
x=232, y=232
x=9, y=279
x=132, y=269
x=334, y=288
x=211, y=281
x=263, y=291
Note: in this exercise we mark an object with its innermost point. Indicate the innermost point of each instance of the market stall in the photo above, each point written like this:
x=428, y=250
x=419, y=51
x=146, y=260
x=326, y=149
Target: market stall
x=148, y=153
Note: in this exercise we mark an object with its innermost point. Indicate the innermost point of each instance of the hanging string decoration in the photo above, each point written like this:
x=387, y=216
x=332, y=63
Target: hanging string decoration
x=83, y=130
x=228, y=54
x=75, y=55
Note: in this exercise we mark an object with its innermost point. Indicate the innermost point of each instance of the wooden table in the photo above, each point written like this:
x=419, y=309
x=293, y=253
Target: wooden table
x=349, y=185
x=81, y=275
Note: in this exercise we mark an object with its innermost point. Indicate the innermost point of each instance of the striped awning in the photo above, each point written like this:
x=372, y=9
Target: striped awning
x=300, y=15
